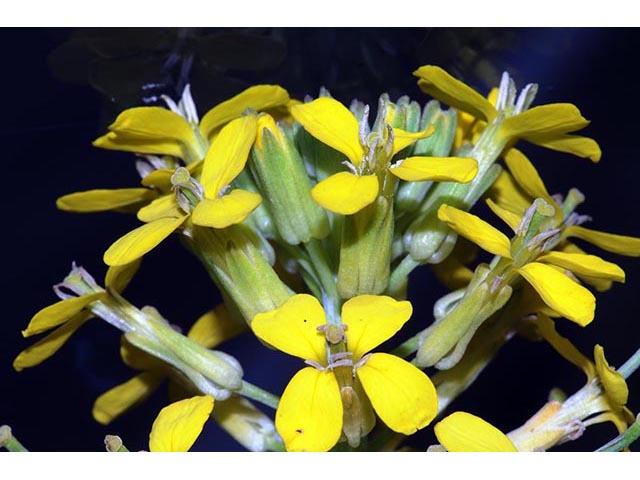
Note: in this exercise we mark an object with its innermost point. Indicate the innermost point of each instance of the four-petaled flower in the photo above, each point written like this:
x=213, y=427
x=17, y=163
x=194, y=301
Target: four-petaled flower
x=206, y=203
x=321, y=401
x=369, y=156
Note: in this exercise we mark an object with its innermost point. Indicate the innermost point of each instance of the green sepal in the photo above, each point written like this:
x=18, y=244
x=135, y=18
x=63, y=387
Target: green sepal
x=286, y=189
x=239, y=268
x=365, y=251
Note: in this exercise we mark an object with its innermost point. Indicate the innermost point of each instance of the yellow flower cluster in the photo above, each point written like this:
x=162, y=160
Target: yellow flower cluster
x=309, y=219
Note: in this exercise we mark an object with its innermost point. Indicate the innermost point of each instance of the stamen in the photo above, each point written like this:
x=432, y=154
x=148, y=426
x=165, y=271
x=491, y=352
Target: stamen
x=315, y=365
x=360, y=363
x=340, y=363
x=503, y=91
x=189, y=106
x=171, y=104
x=541, y=237
x=364, y=126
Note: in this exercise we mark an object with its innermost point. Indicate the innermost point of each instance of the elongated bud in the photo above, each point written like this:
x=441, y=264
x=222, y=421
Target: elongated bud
x=239, y=268
x=250, y=427
x=365, y=250
x=285, y=186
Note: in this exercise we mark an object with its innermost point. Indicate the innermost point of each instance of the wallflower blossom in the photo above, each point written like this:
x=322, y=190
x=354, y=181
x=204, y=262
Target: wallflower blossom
x=369, y=156
x=206, y=203
x=550, y=126
x=323, y=400
x=68, y=315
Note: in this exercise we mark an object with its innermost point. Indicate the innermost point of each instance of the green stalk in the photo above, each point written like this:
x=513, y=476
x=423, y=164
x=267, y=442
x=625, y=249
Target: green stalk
x=259, y=395
x=8, y=441
x=631, y=365
x=623, y=440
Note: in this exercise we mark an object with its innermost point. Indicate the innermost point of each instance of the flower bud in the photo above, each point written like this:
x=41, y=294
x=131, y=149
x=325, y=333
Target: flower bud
x=365, y=250
x=285, y=186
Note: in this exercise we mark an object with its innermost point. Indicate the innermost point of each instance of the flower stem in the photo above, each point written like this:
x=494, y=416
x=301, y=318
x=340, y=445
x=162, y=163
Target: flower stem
x=623, y=440
x=408, y=347
x=631, y=365
x=259, y=395
x=8, y=441
x=400, y=274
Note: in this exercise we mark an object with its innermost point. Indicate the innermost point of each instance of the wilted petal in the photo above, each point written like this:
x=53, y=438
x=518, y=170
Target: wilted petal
x=582, y=147
x=614, y=384
x=582, y=264
x=549, y=120
x=610, y=242
x=59, y=313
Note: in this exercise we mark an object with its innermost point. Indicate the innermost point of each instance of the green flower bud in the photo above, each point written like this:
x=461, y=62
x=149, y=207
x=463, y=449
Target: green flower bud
x=365, y=250
x=285, y=186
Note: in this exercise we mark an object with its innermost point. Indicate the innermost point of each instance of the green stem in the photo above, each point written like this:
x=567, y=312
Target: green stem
x=8, y=441
x=400, y=273
x=330, y=297
x=408, y=347
x=259, y=395
x=631, y=365
x=623, y=440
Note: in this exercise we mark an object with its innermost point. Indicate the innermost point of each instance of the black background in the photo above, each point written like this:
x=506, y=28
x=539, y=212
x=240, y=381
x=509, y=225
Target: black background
x=54, y=105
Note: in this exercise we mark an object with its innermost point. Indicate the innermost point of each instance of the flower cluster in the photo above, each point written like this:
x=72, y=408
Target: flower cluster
x=309, y=218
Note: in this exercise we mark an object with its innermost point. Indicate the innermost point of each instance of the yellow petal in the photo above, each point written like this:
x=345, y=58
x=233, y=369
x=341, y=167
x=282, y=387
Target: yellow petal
x=548, y=120
x=371, y=320
x=333, y=124
x=140, y=241
x=402, y=139
x=178, y=425
x=440, y=85
x=45, y=348
x=215, y=327
x=103, y=200
x=563, y=346
x=478, y=231
x=438, y=169
x=150, y=130
x=346, y=193
x=463, y=432
x=560, y=292
x=59, y=313
x=401, y=394
x=582, y=147
x=610, y=242
x=309, y=416
x=258, y=98
x=118, y=278
x=580, y=264
x=508, y=194
x=227, y=210
x=507, y=216
x=165, y=206
x=228, y=155
x=526, y=174
x=121, y=398
x=292, y=328
x=614, y=384
x=160, y=179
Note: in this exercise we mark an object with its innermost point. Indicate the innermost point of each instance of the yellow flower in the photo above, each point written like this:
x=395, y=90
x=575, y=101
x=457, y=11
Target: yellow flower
x=464, y=432
x=369, y=156
x=548, y=126
x=206, y=203
x=546, y=274
x=322, y=400
x=177, y=131
x=68, y=315
x=179, y=425
x=210, y=330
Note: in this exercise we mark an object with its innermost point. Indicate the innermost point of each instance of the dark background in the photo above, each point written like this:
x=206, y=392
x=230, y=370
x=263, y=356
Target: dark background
x=61, y=89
